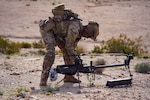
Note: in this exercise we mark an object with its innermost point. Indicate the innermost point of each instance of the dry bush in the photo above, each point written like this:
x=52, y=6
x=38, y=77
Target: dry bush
x=97, y=49
x=22, y=89
x=39, y=44
x=8, y=47
x=25, y=45
x=122, y=44
x=144, y=55
x=80, y=49
x=1, y=92
x=142, y=67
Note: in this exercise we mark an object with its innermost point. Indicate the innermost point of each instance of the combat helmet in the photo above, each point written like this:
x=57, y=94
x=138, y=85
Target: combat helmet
x=91, y=30
x=59, y=10
x=60, y=7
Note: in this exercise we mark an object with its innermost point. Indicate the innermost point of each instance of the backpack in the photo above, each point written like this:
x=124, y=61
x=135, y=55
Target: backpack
x=59, y=13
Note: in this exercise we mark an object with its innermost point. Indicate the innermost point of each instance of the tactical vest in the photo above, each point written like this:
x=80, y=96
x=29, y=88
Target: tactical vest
x=60, y=29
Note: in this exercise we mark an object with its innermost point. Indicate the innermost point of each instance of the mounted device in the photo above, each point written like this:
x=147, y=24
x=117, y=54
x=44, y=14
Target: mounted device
x=78, y=67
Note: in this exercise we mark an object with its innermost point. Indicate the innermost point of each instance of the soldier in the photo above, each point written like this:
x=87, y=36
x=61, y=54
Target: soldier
x=64, y=32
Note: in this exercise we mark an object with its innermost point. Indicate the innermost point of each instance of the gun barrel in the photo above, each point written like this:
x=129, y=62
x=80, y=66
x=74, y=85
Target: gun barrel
x=107, y=66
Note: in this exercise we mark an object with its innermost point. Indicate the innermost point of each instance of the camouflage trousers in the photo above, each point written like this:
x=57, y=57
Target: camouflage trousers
x=67, y=46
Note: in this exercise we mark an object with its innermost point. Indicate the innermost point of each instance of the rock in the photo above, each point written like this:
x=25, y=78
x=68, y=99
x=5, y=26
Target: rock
x=58, y=94
x=30, y=82
x=27, y=4
x=33, y=59
x=12, y=83
x=15, y=73
x=79, y=92
x=32, y=88
x=87, y=96
x=98, y=91
x=22, y=94
x=33, y=98
x=70, y=93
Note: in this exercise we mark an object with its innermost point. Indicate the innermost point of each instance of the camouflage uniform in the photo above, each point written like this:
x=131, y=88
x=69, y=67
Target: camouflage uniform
x=64, y=33
x=66, y=39
x=49, y=40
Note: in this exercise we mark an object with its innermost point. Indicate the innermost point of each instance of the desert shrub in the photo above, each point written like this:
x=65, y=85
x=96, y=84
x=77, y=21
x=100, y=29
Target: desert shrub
x=97, y=49
x=22, y=89
x=142, y=67
x=51, y=89
x=41, y=52
x=25, y=45
x=123, y=43
x=8, y=47
x=80, y=50
x=99, y=62
x=144, y=55
x=1, y=92
x=38, y=44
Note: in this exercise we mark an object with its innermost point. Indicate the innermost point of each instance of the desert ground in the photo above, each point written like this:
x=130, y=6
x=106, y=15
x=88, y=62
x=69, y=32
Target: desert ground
x=19, y=22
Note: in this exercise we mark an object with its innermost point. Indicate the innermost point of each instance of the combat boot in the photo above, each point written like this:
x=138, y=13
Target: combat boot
x=43, y=83
x=71, y=79
x=45, y=70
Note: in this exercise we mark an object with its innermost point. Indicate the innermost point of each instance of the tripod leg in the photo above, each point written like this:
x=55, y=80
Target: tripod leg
x=78, y=78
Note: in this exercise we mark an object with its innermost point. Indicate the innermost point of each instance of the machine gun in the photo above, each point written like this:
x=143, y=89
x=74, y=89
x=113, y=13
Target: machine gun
x=78, y=67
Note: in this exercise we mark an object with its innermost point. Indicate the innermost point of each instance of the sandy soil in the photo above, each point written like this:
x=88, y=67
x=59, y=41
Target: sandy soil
x=21, y=71
x=18, y=22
